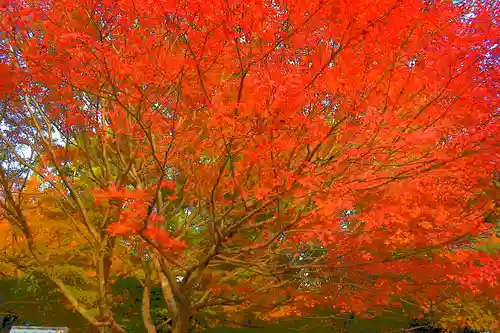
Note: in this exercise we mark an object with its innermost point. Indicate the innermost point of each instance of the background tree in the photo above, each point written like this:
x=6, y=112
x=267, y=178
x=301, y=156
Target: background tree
x=325, y=153
x=33, y=300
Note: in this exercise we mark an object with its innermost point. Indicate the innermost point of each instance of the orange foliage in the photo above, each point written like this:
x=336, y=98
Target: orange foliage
x=260, y=151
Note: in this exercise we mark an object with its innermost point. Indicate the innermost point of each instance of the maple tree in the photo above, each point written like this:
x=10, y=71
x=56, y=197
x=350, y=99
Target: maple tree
x=261, y=158
x=63, y=254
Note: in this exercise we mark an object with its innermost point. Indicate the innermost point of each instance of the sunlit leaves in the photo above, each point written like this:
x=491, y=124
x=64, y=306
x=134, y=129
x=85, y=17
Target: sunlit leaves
x=354, y=142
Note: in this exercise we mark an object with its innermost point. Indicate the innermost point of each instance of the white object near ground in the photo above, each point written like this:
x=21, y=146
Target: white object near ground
x=35, y=329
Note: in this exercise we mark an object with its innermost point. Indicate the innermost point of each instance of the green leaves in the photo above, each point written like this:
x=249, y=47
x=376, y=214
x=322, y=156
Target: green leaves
x=491, y=248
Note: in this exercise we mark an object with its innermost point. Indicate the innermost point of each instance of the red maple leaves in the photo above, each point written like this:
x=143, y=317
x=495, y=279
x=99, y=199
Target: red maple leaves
x=367, y=128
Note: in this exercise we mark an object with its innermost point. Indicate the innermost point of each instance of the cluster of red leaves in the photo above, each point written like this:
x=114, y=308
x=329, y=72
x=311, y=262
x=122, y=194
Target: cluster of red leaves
x=135, y=217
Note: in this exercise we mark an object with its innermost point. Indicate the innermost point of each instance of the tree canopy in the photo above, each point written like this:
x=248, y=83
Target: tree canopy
x=253, y=159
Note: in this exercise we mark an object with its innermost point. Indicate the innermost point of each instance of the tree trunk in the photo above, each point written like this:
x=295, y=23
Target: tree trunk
x=181, y=323
x=146, y=301
x=181, y=326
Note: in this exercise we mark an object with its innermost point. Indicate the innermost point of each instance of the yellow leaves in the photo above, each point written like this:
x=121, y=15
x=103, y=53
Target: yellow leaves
x=426, y=225
x=489, y=245
x=284, y=311
x=478, y=314
x=32, y=185
x=90, y=274
x=73, y=244
x=231, y=308
x=213, y=323
x=4, y=225
x=402, y=237
x=9, y=237
x=56, y=237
